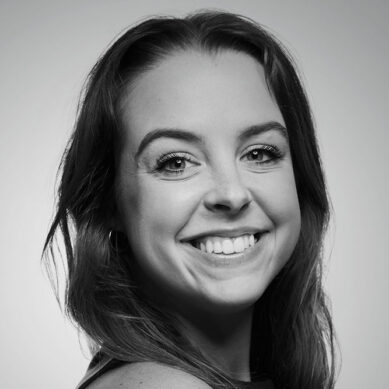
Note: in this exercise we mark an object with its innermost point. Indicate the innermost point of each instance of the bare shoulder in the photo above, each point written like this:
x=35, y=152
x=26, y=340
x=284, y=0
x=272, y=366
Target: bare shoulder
x=147, y=375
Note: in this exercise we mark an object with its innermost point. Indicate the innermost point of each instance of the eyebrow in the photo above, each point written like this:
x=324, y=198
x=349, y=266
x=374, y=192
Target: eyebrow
x=176, y=133
x=258, y=129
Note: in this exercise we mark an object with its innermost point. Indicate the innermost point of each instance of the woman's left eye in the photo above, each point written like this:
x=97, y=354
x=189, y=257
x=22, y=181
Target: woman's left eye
x=262, y=155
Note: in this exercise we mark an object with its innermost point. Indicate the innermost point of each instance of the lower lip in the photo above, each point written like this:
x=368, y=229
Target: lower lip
x=228, y=260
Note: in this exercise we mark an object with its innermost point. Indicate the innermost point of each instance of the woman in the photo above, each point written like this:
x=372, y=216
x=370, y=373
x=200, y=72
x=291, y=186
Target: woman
x=194, y=188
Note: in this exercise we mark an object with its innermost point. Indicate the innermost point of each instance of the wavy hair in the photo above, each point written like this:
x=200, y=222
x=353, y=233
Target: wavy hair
x=293, y=336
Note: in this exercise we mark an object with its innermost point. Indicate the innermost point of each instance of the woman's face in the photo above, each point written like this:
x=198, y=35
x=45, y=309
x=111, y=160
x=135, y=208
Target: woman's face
x=206, y=192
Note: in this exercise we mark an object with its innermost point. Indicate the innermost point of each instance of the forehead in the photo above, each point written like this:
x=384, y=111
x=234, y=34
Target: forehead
x=199, y=92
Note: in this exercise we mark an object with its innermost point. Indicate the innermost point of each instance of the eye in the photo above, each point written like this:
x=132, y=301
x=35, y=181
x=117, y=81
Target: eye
x=262, y=154
x=175, y=163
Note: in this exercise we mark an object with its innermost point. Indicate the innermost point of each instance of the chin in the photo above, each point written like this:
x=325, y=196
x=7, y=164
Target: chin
x=233, y=296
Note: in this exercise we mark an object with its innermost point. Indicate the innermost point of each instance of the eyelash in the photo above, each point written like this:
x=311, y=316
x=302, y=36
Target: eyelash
x=166, y=158
x=273, y=152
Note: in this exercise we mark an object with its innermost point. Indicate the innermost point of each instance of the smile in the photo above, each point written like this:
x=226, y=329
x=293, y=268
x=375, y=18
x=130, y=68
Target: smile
x=226, y=245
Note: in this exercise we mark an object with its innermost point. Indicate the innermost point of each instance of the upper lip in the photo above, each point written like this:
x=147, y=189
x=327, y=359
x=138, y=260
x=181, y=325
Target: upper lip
x=227, y=233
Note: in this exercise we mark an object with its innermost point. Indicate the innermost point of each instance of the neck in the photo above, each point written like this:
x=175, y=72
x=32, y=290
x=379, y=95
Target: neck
x=225, y=340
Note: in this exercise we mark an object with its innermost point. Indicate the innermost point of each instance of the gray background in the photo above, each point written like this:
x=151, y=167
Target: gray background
x=47, y=48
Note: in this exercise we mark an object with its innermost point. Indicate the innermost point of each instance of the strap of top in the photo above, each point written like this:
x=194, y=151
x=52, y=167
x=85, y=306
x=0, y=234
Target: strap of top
x=101, y=363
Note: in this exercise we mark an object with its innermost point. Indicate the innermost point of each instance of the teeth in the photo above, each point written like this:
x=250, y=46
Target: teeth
x=209, y=246
x=239, y=245
x=217, y=247
x=251, y=240
x=246, y=241
x=228, y=246
x=220, y=245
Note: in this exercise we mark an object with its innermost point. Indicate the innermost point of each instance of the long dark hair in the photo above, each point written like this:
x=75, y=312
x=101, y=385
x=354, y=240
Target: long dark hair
x=292, y=331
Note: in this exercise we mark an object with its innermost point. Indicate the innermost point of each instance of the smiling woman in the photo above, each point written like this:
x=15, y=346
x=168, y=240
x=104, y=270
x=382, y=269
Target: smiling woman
x=194, y=187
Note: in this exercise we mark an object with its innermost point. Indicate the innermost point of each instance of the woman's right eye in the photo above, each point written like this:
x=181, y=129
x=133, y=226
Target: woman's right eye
x=175, y=164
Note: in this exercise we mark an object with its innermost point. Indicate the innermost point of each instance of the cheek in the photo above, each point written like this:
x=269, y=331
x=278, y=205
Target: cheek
x=277, y=195
x=159, y=208
x=155, y=212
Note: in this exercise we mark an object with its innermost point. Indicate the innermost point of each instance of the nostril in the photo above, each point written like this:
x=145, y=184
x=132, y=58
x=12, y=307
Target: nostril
x=222, y=207
x=232, y=199
x=245, y=205
x=231, y=208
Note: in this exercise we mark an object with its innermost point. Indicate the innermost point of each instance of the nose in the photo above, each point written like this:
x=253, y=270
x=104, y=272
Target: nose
x=228, y=195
